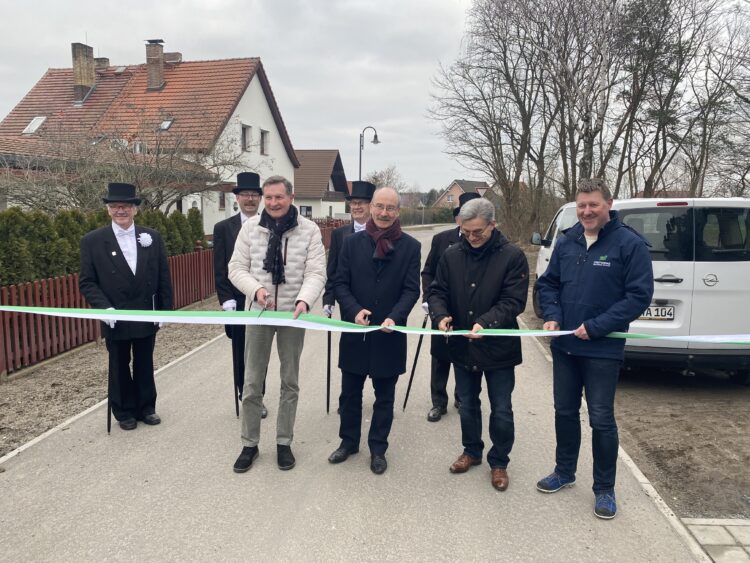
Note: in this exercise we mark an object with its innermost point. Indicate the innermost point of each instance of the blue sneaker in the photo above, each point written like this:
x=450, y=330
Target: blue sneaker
x=553, y=483
x=605, y=506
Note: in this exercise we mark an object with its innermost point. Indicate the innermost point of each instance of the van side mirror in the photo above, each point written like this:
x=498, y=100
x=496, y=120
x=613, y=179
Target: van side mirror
x=537, y=240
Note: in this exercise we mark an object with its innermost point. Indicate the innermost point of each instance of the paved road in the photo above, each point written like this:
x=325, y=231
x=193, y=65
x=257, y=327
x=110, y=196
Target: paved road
x=168, y=492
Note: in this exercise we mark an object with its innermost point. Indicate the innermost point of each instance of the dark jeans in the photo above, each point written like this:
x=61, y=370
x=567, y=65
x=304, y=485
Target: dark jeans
x=131, y=396
x=439, y=382
x=500, y=384
x=350, y=404
x=598, y=378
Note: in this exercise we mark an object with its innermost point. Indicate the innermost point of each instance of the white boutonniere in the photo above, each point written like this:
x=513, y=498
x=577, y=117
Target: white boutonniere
x=145, y=240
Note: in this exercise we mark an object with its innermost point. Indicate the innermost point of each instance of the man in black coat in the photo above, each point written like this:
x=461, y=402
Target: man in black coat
x=359, y=205
x=441, y=363
x=248, y=193
x=482, y=283
x=124, y=266
x=376, y=282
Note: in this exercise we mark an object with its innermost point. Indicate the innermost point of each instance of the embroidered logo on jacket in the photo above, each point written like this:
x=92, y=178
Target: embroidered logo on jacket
x=602, y=262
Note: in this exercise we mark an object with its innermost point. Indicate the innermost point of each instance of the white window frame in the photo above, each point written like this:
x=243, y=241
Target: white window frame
x=35, y=124
x=265, y=137
x=246, y=137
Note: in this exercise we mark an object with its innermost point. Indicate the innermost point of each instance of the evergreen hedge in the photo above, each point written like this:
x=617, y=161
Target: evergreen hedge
x=34, y=245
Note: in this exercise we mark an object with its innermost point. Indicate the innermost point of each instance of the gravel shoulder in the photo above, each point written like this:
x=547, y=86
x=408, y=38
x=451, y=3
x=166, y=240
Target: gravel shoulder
x=43, y=396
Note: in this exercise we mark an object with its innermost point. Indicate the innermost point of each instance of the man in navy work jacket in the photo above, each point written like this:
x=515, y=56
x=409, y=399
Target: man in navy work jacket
x=124, y=266
x=377, y=283
x=598, y=281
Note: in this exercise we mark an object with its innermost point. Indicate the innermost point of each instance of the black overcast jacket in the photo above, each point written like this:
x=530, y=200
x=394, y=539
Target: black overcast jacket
x=489, y=289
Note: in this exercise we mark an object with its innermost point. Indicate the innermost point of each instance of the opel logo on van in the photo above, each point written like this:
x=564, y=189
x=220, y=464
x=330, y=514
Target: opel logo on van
x=711, y=280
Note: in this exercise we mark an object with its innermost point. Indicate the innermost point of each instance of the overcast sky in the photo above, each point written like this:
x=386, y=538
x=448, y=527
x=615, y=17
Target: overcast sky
x=335, y=66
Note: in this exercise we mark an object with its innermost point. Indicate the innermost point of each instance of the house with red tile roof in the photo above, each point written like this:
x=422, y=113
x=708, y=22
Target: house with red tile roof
x=166, y=104
x=320, y=184
x=449, y=196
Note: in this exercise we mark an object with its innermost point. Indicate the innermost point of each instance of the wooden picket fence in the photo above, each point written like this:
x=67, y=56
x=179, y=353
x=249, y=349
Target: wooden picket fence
x=29, y=339
x=26, y=339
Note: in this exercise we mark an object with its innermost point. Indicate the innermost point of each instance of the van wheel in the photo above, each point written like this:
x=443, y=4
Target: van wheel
x=740, y=377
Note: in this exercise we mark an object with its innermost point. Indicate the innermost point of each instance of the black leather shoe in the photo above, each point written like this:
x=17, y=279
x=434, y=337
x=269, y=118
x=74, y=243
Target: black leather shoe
x=246, y=459
x=263, y=411
x=378, y=464
x=341, y=454
x=436, y=413
x=128, y=424
x=284, y=457
x=151, y=419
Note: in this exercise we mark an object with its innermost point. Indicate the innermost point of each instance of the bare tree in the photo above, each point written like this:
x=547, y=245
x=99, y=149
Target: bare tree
x=390, y=177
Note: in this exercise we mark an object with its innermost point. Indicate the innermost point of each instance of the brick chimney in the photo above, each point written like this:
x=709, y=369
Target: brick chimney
x=101, y=62
x=84, y=76
x=155, y=63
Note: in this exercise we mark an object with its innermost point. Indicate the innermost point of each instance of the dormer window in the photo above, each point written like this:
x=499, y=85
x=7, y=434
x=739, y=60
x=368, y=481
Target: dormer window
x=35, y=124
x=166, y=124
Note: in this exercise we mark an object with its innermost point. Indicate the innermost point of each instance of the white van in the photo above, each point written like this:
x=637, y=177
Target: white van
x=700, y=250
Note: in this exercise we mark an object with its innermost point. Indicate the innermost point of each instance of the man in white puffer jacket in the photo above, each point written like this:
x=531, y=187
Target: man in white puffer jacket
x=279, y=263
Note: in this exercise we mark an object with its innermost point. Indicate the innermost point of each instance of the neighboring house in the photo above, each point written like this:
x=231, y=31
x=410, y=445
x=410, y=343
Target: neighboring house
x=210, y=110
x=320, y=184
x=449, y=197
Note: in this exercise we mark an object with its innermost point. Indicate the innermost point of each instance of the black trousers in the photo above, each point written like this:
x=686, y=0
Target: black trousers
x=350, y=404
x=439, y=382
x=238, y=357
x=132, y=395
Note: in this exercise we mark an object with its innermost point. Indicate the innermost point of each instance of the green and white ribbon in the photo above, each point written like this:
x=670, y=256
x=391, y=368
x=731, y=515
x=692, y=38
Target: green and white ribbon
x=316, y=322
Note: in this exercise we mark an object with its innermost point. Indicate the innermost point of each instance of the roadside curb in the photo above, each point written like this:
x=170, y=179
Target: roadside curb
x=102, y=403
x=695, y=547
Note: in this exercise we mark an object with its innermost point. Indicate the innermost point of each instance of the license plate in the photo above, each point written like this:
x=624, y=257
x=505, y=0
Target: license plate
x=658, y=313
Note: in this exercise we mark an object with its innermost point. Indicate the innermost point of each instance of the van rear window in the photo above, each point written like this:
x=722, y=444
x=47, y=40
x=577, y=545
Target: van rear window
x=722, y=234
x=669, y=230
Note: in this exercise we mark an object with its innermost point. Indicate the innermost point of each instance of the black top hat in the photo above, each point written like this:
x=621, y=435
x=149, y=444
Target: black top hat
x=463, y=199
x=121, y=193
x=247, y=181
x=361, y=190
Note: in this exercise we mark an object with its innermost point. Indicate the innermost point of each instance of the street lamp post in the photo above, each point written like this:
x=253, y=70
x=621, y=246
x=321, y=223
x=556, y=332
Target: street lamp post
x=375, y=141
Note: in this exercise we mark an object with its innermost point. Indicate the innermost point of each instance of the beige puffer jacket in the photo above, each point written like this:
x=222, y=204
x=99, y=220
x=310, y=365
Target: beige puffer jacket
x=304, y=264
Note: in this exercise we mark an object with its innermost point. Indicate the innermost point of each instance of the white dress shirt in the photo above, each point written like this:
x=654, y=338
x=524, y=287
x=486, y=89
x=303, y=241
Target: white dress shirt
x=359, y=226
x=128, y=246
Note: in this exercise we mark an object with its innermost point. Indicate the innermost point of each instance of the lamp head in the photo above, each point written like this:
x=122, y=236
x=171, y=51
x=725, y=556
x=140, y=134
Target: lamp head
x=375, y=140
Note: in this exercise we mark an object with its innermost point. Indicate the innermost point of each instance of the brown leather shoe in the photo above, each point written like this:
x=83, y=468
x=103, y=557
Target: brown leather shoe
x=500, y=478
x=464, y=463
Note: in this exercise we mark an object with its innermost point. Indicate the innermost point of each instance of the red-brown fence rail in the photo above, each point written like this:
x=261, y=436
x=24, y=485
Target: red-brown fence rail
x=28, y=339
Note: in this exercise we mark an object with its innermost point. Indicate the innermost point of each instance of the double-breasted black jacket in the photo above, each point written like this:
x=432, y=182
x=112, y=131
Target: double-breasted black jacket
x=337, y=241
x=440, y=243
x=389, y=289
x=107, y=281
x=225, y=235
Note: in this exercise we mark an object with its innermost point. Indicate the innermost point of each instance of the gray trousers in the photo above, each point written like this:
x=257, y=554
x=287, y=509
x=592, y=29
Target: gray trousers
x=258, y=342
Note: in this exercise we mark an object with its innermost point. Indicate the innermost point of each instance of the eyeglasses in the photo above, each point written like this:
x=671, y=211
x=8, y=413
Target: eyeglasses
x=120, y=206
x=248, y=195
x=358, y=202
x=475, y=233
x=386, y=208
